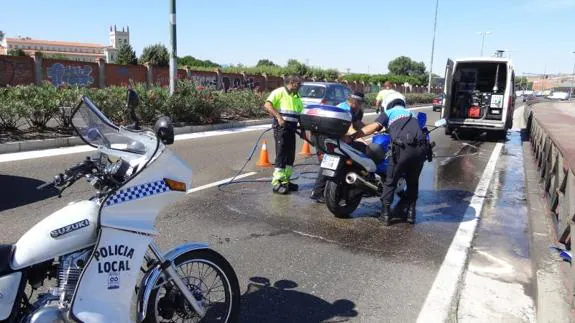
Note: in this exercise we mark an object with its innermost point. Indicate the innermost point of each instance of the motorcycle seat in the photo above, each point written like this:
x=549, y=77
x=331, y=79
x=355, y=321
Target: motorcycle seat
x=5, y=258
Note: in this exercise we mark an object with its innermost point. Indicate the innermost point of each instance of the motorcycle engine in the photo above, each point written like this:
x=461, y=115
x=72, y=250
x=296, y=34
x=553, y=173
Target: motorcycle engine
x=52, y=306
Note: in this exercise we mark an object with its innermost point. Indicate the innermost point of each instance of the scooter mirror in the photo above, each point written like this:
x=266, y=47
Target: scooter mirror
x=441, y=123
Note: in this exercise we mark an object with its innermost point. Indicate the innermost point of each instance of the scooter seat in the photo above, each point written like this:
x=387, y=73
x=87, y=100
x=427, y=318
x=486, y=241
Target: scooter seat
x=5, y=257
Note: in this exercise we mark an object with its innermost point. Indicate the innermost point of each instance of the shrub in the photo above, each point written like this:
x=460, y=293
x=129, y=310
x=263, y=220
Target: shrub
x=11, y=109
x=412, y=98
x=40, y=104
x=241, y=104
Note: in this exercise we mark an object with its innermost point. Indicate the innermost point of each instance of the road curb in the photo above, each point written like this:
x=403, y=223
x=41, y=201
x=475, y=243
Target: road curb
x=41, y=144
x=551, y=294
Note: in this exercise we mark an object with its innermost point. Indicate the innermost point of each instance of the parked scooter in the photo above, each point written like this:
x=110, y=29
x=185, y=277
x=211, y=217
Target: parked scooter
x=352, y=174
x=97, y=247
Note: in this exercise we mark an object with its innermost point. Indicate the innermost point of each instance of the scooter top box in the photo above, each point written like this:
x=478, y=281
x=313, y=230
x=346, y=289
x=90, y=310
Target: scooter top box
x=326, y=120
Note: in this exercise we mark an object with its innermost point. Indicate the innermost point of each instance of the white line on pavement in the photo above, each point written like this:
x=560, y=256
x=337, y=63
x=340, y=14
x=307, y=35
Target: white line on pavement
x=85, y=148
x=223, y=181
x=442, y=297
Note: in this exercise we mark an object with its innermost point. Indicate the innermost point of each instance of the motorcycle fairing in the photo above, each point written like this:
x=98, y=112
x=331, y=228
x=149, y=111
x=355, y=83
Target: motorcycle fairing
x=106, y=287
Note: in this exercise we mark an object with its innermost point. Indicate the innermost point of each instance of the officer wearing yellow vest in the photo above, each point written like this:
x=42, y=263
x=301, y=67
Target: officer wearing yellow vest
x=387, y=89
x=284, y=105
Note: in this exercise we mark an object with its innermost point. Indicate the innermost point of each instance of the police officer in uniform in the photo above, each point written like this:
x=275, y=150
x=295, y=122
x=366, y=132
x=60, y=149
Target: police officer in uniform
x=285, y=105
x=409, y=152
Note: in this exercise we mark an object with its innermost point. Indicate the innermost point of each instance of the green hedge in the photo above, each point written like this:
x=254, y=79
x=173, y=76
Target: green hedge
x=34, y=106
x=412, y=98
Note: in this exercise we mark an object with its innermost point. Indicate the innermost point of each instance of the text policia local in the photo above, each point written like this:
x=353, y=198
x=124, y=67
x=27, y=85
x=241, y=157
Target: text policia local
x=116, y=265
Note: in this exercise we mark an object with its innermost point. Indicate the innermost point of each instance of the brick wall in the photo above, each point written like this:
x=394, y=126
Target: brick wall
x=26, y=70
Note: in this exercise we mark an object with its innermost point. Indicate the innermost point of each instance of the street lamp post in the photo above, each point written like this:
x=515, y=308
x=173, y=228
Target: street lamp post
x=173, y=64
x=432, y=47
x=483, y=34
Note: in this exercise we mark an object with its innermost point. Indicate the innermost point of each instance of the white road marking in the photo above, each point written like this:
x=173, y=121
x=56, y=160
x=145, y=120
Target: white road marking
x=223, y=181
x=442, y=296
x=85, y=148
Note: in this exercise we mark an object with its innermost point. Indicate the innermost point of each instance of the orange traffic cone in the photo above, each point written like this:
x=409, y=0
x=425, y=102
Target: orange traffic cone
x=305, y=149
x=264, y=158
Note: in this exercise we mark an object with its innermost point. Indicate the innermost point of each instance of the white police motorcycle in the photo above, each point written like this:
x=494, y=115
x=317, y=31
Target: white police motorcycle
x=96, y=248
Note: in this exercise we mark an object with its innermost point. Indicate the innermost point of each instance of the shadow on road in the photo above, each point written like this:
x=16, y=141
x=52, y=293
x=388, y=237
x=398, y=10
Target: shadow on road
x=22, y=191
x=264, y=302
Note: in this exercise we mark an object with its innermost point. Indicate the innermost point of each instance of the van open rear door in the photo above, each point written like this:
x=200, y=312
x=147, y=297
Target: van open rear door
x=447, y=89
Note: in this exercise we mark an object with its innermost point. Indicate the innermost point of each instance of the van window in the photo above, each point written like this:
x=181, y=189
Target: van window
x=480, y=77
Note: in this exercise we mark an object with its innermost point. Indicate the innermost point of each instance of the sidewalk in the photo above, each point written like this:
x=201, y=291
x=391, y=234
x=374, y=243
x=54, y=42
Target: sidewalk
x=498, y=283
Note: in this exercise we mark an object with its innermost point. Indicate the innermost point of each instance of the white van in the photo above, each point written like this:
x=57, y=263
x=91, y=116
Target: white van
x=479, y=94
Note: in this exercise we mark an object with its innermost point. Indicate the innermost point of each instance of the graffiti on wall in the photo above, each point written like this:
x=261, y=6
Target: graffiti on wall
x=206, y=81
x=239, y=83
x=14, y=72
x=60, y=74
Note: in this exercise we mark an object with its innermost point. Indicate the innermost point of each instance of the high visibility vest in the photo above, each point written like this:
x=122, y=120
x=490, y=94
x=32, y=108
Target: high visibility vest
x=288, y=105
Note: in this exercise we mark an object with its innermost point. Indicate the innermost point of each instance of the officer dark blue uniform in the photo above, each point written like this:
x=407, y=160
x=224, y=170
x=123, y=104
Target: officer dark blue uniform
x=409, y=152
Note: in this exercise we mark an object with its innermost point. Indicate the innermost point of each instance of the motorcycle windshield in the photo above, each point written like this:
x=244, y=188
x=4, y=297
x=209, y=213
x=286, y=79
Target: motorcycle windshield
x=98, y=131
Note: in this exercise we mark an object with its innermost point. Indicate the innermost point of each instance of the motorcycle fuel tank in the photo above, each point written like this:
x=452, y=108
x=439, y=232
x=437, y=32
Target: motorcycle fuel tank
x=69, y=229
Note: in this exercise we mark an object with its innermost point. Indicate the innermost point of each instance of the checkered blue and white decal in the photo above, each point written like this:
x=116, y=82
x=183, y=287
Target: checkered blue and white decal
x=137, y=192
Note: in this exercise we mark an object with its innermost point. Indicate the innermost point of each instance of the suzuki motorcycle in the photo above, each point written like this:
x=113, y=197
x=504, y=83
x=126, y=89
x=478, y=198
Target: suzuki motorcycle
x=96, y=248
x=353, y=175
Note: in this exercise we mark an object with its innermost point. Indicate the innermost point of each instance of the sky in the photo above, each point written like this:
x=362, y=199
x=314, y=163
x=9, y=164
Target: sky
x=362, y=36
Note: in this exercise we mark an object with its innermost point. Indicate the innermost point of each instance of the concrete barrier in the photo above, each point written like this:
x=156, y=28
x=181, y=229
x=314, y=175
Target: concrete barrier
x=551, y=130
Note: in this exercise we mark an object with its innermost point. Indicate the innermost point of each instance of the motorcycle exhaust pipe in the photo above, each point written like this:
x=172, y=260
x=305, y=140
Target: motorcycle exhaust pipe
x=354, y=179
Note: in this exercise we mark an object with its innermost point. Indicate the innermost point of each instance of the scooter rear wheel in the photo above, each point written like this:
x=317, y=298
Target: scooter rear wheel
x=336, y=194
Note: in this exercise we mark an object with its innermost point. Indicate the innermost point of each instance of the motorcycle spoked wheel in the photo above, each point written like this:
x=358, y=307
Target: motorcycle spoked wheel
x=167, y=304
x=336, y=194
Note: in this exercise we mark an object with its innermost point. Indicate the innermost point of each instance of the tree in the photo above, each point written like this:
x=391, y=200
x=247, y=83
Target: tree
x=265, y=62
x=2, y=34
x=404, y=65
x=16, y=52
x=295, y=67
x=192, y=61
x=156, y=55
x=126, y=55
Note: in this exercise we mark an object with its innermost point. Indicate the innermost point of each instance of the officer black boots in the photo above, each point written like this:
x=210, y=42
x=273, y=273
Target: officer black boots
x=411, y=213
x=385, y=217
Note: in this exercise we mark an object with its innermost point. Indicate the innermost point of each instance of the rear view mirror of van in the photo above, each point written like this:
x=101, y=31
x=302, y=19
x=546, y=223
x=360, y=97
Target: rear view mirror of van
x=441, y=123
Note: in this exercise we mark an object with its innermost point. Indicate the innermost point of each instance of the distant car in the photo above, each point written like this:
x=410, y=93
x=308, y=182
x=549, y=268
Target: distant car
x=437, y=102
x=323, y=93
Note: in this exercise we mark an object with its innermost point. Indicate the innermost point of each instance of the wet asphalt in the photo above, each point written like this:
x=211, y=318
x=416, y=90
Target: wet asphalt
x=295, y=261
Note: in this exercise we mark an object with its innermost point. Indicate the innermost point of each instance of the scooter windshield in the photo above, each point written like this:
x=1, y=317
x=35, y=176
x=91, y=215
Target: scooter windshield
x=98, y=131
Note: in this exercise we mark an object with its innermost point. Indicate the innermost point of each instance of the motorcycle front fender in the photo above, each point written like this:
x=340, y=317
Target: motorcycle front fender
x=154, y=273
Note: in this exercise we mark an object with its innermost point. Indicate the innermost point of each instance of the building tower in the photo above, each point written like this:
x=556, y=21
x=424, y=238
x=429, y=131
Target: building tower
x=118, y=37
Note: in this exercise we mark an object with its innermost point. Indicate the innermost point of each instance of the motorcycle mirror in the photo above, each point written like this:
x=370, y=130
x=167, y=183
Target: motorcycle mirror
x=441, y=123
x=165, y=130
x=132, y=103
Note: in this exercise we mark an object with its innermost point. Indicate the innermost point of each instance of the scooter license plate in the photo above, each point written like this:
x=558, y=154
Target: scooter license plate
x=330, y=162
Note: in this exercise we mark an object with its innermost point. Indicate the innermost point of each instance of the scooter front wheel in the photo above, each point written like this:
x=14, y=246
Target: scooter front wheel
x=210, y=278
x=338, y=199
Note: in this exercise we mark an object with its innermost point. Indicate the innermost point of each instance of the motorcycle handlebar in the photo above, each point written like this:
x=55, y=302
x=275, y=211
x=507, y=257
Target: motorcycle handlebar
x=70, y=174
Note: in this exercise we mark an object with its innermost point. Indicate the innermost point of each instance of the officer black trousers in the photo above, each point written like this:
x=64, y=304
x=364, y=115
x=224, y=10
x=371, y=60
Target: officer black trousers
x=409, y=162
x=285, y=144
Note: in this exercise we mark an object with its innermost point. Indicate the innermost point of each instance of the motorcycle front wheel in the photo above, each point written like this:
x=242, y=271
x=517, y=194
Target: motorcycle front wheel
x=210, y=278
x=338, y=199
